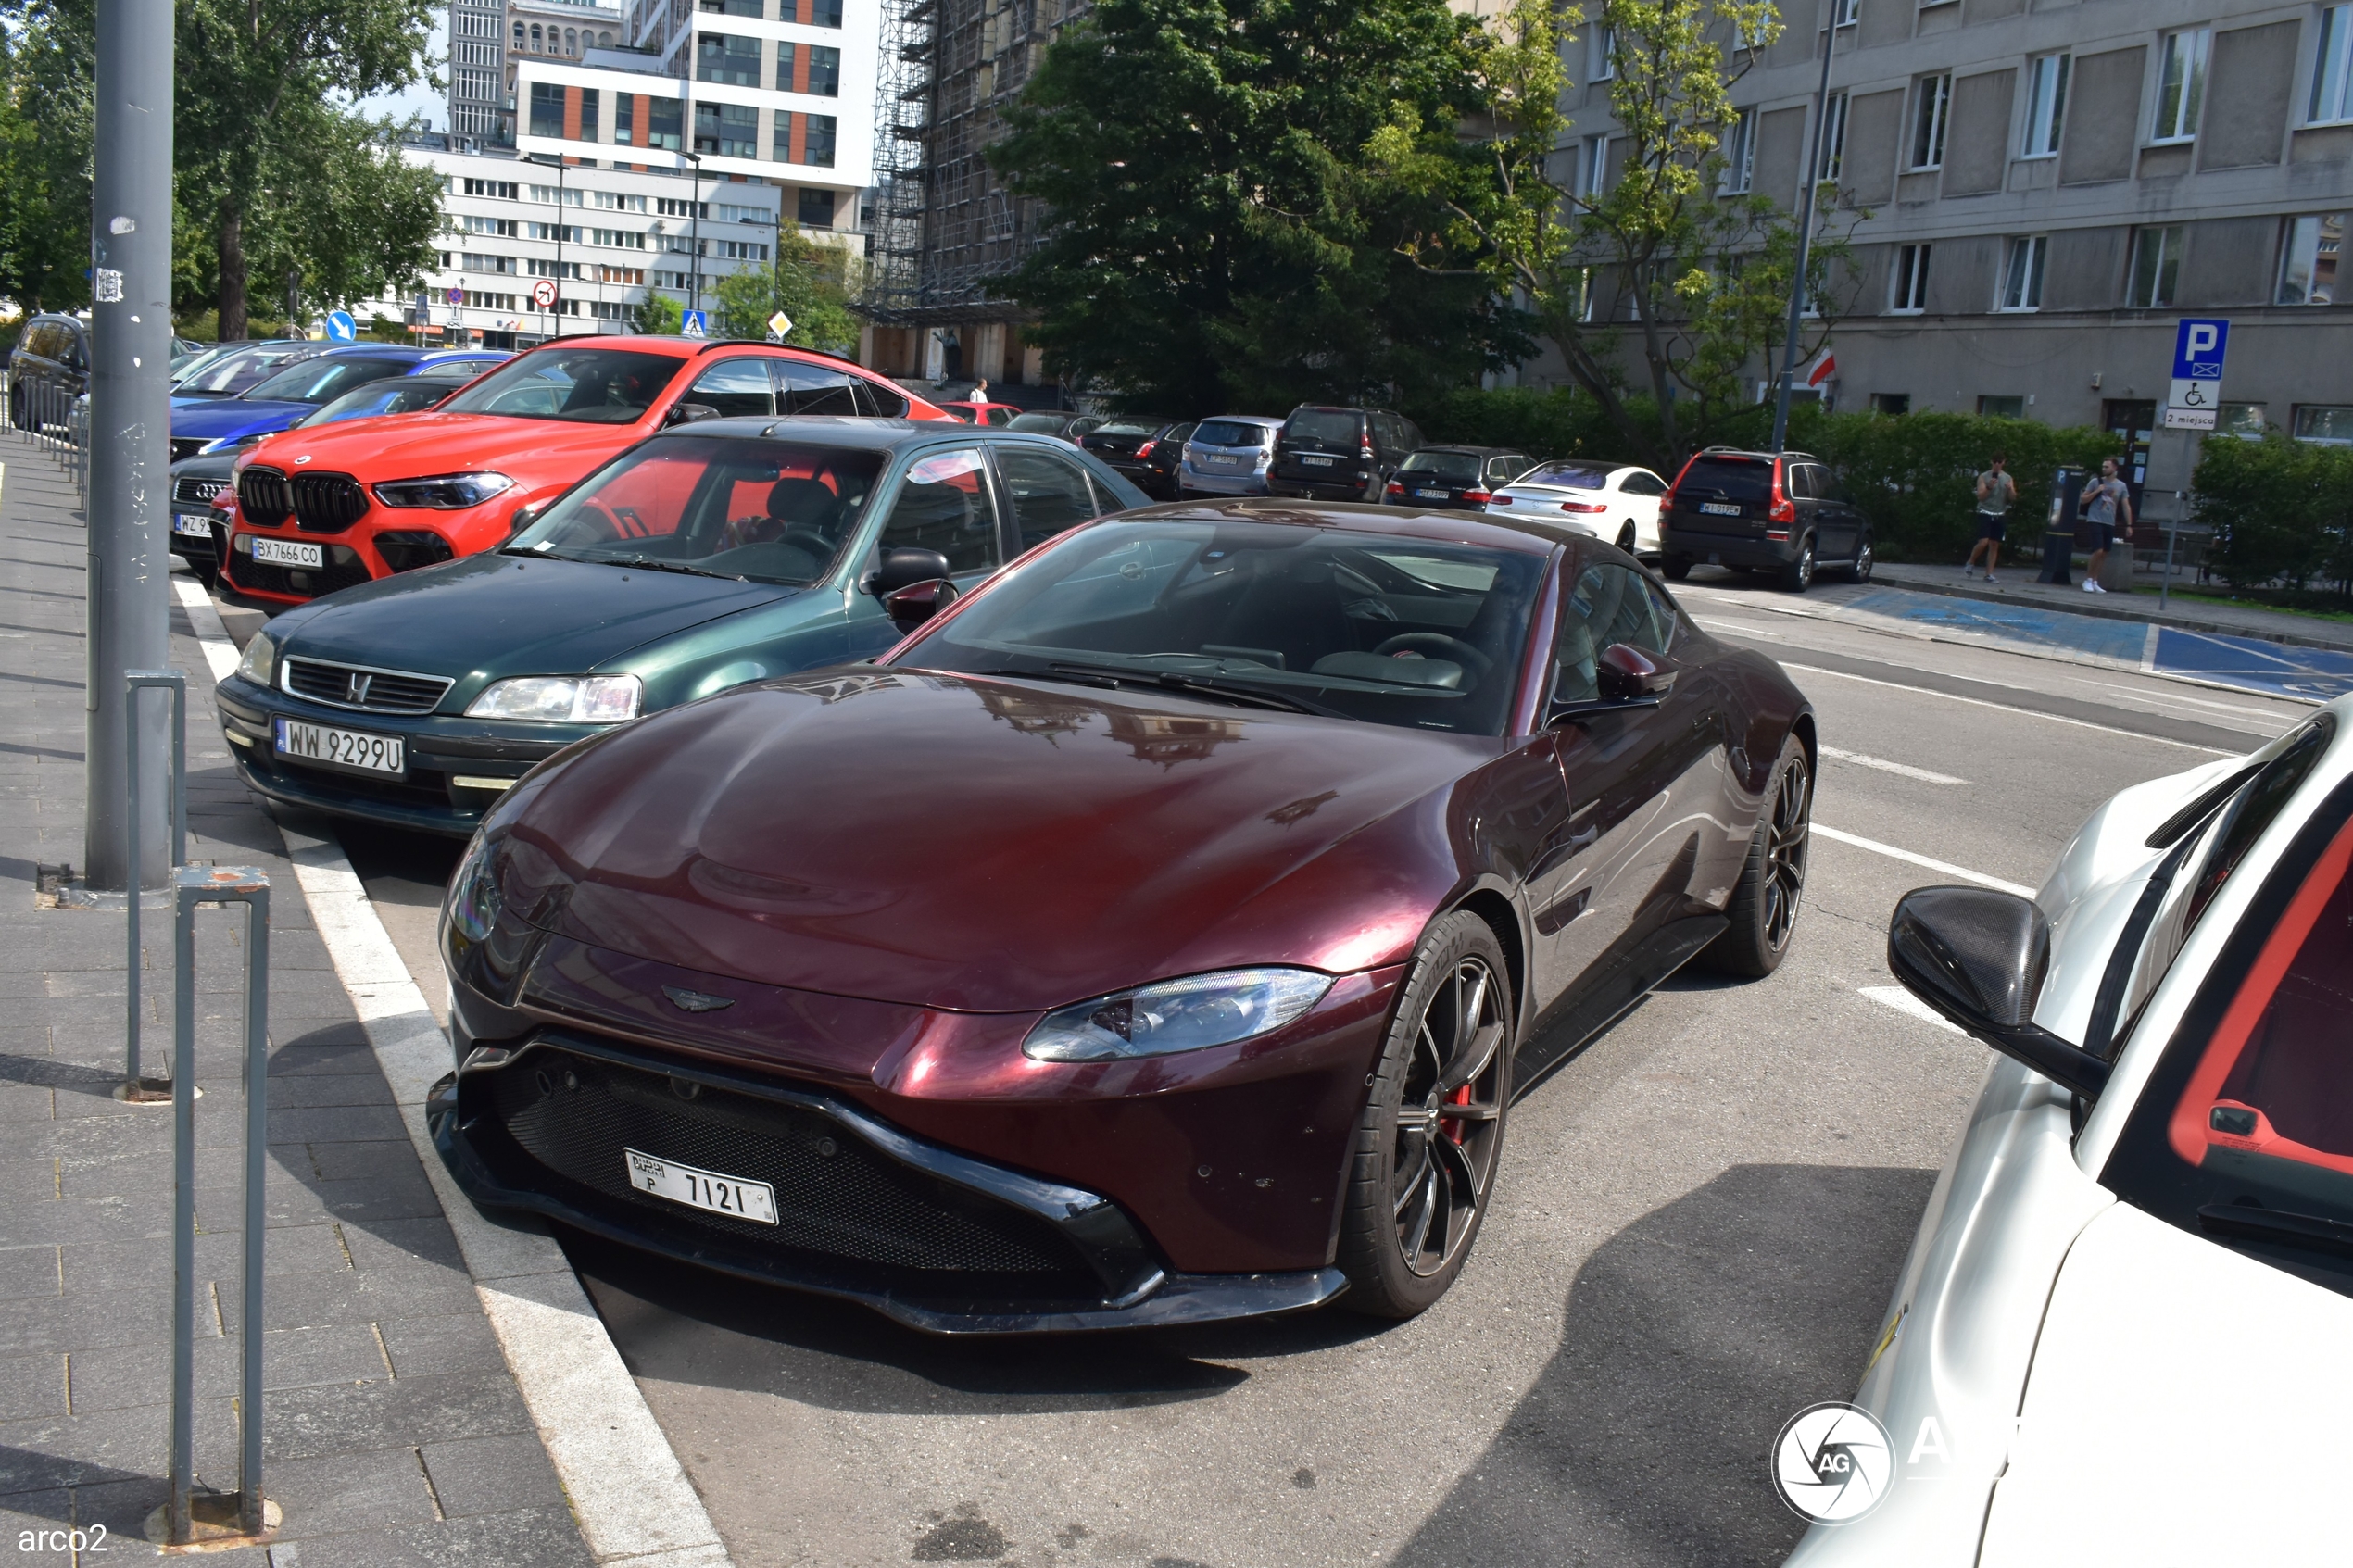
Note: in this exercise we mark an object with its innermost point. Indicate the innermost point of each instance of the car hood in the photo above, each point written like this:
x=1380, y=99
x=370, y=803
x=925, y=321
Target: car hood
x=990, y=845
x=504, y=615
x=531, y=452
x=212, y=418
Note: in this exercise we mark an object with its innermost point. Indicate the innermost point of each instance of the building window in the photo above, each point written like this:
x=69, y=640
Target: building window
x=663, y=117
x=2330, y=424
x=547, y=110
x=2156, y=263
x=817, y=209
x=727, y=130
x=2046, y=104
x=2181, y=84
x=589, y=100
x=1932, y=99
x=824, y=71
x=1907, y=283
x=2245, y=420
x=615, y=201
x=2001, y=408
x=742, y=250
x=2022, y=278
x=819, y=141
x=625, y=118
x=1740, y=154
x=571, y=41
x=535, y=38
x=1833, y=138
x=501, y=190
x=731, y=62
x=518, y=37
x=1604, y=67
x=824, y=13
x=2307, y=268
x=1847, y=13
x=2333, y=67
x=786, y=50
x=754, y=8
x=1592, y=167
x=1892, y=404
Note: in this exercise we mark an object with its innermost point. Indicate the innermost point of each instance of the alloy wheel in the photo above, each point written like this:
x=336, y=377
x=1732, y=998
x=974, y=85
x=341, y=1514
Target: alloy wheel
x=1449, y=1116
x=1786, y=835
x=1862, y=563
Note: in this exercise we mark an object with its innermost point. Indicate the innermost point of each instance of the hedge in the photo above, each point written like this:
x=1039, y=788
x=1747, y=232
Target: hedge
x=2281, y=510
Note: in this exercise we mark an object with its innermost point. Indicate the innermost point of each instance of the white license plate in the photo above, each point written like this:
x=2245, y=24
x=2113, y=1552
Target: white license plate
x=1719, y=508
x=708, y=1191
x=289, y=552
x=1320, y=462
x=1225, y=462
x=192, y=522
x=339, y=748
x=1431, y=494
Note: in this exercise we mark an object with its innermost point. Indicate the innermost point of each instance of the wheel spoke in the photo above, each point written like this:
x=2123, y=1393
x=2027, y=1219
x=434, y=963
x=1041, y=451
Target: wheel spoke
x=1407, y=1187
x=1467, y=1008
x=1476, y=1110
x=1427, y=1188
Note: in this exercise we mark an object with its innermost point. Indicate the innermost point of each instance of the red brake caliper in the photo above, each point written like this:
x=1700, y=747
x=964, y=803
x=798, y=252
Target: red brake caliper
x=1452, y=1125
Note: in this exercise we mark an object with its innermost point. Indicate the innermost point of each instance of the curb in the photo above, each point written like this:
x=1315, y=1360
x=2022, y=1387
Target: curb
x=629, y=1494
x=2095, y=611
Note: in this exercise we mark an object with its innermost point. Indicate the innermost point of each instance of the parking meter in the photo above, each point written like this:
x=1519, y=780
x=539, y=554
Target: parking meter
x=2058, y=535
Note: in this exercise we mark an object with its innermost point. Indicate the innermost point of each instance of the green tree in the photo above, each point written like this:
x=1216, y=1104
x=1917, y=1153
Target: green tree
x=46, y=71
x=806, y=281
x=2281, y=509
x=1659, y=261
x=660, y=316
x=1215, y=237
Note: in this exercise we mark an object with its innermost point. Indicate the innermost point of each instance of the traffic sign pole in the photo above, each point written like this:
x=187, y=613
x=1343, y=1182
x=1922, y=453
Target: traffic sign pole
x=2194, y=404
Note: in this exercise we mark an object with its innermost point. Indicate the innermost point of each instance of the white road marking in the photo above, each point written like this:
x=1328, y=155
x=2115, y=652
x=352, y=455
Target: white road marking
x=1903, y=1001
x=1882, y=765
x=1875, y=847
x=2007, y=707
x=2240, y=710
x=1744, y=630
x=626, y=1485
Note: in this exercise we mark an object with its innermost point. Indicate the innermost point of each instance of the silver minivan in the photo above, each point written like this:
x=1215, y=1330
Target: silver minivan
x=1228, y=456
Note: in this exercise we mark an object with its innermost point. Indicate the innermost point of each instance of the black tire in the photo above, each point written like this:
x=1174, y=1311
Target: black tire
x=1798, y=575
x=1626, y=537
x=1400, y=1254
x=1865, y=557
x=1771, y=891
x=1675, y=567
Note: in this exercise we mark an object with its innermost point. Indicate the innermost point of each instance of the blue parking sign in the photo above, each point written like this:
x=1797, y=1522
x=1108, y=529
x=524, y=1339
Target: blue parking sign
x=2198, y=349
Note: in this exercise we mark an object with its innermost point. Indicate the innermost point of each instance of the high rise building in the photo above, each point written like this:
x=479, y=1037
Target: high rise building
x=488, y=39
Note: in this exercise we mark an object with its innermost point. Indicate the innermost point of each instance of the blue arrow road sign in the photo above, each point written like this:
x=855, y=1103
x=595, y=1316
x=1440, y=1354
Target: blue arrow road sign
x=2198, y=350
x=341, y=327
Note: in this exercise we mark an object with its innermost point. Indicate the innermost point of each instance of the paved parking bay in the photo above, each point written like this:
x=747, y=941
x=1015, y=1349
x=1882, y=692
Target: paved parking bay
x=1699, y=1220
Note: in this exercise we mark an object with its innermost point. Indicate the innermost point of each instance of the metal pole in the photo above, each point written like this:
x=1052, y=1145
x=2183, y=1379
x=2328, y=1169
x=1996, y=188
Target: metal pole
x=1804, y=237
x=184, y=1215
x=133, y=681
x=131, y=416
x=694, y=239
x=256, y=1146
x=562, y=223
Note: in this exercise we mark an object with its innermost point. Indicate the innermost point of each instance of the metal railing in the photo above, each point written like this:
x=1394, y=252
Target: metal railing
x=54, y=419
x=135, y=1086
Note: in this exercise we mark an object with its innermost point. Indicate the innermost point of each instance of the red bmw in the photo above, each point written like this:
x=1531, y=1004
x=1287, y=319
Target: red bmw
x=1161, y=933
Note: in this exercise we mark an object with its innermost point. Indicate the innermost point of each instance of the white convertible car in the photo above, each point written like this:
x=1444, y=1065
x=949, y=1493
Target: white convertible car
x=2125, y=1331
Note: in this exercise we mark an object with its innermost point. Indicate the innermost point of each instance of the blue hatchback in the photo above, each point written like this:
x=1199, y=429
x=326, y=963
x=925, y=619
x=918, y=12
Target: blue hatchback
x=220, y=424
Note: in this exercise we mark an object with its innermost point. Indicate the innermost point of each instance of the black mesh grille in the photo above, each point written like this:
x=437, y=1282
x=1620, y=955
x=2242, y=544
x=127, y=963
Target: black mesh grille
x=575, y=1115
x=372, y=690
x=188, y=445
x=263, y=494
x=406, y=549
x=196, y=492
x=328, y=503
x=344, y=569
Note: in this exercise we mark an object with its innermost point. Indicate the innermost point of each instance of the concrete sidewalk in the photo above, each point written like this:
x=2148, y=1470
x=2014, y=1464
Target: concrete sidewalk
x=394, y=1429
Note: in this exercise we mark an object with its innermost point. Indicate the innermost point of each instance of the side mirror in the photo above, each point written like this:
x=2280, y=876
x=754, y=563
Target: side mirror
x=918, y=602
x=524, y=517
x=1626, y=673
x=688, y=413
x=903, y=566
x=1978, y=958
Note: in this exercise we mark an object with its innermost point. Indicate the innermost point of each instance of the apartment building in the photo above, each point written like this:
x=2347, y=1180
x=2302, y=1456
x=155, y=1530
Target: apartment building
x=607, y=234
x=2043, y=187
x=488, y=39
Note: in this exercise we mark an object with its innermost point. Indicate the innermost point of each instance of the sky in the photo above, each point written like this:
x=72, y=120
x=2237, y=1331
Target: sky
x=430, y=102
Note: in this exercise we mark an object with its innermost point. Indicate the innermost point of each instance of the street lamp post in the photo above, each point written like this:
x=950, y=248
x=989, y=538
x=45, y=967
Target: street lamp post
x=694, y=238
x=1805, y=239
x=561, y=223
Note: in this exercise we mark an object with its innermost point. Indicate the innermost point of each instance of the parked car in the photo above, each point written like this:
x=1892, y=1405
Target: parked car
x=1333, y=453
x=723, y=552
x=2143, y=1239
x=1759, y=511
x=1452, y=478
x=982, y=413
x=1146, y=452
x=1240, y=846
x=281, y=401
x=185, y=351
x=243, y=367
x=201, y=484
x=1060, y=424
x=319, y=511
x=1228, y=455
x=184, y=366
x=1613, y=501
x=47, y=369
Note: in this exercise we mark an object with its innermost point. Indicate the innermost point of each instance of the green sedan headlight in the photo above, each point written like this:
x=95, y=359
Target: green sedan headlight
x=260, y=663
x=562, y=699
x=1177, y=1015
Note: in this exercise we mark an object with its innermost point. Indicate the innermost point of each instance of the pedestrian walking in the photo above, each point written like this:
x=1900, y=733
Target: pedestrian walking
x=1995, y=491
x=2107, y=506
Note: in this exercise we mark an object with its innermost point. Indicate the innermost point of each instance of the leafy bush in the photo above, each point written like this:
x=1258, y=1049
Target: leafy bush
x=2281, y=510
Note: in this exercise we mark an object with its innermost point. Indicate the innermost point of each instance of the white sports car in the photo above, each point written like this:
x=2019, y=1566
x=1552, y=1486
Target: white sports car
x=1609, y=501
x=2125, y=1331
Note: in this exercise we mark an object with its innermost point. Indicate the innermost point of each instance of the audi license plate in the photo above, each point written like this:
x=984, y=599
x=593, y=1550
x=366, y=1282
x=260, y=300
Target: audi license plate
x=192, y=522
x=1720, y=509
x=339, y=748
x=289, y=552
x=1320, y=462
x=708, y=1190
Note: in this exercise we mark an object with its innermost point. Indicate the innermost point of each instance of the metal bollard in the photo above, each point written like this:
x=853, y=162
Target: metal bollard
x=135, y=681
x=194, y=886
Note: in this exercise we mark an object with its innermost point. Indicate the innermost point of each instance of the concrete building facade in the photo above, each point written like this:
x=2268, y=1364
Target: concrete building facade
x=2044, y=187
x=489, y=39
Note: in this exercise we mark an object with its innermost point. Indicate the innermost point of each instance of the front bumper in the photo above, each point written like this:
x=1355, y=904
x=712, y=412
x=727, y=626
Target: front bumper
x=439, y=749
x=936, y=1240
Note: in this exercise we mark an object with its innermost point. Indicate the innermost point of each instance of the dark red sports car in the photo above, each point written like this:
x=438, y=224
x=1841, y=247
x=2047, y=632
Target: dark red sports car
x=1160, y=934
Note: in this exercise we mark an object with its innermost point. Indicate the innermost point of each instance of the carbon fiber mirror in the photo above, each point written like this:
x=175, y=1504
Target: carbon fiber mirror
x=1978, y=958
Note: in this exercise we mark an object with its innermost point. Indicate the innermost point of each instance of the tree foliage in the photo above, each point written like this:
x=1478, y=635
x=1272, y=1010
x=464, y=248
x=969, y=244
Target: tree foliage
x=807, y=281
x=1217, y=237
x=661, y=315
x=1656, y=263
x=46, y=71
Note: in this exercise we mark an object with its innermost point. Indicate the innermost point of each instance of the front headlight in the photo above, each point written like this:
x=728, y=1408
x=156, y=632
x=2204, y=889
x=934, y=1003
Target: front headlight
x=1177, y=1015
x=562, y=699
x=446, y=491
x=260, y=663
x=471, y=906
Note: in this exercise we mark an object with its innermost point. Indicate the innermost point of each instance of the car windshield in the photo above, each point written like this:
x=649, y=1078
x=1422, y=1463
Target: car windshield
x=1566, y=476
x=1039, y=425
x=1729, y=479
x=1456, y=468
x=589, y=385
x=1332, y=429
x=768, y=511
x=194, y=363
x=400, y=395
x=323, y=381
x=1231, y=433
x=1393, y=630
x=232, y=373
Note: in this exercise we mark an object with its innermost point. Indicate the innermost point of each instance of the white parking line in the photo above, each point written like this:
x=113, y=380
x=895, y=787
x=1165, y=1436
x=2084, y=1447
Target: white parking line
x=1743, y=629
x=1903, y=1001
x=1875, y=847
x=1881, y=764
x=626, y=1485
x=2007, y=707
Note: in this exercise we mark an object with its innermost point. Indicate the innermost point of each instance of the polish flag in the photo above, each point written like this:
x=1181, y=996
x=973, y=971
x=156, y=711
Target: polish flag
x=1822, y=369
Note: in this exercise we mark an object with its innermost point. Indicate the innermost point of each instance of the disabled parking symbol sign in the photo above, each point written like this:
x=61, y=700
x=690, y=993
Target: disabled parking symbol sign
x=2196, y=394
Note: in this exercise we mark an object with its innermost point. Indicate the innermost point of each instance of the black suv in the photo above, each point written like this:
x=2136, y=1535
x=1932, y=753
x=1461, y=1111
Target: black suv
x=49, y=369
x=1327, y=454
x=1757, y=511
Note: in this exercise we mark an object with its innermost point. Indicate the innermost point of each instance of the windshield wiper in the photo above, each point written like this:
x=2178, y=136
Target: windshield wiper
x=2311, y=1232
x=655, y=563
x=1202, y=685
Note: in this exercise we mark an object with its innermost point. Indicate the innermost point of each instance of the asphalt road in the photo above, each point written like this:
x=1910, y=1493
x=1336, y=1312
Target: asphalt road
x=1698, y=1223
